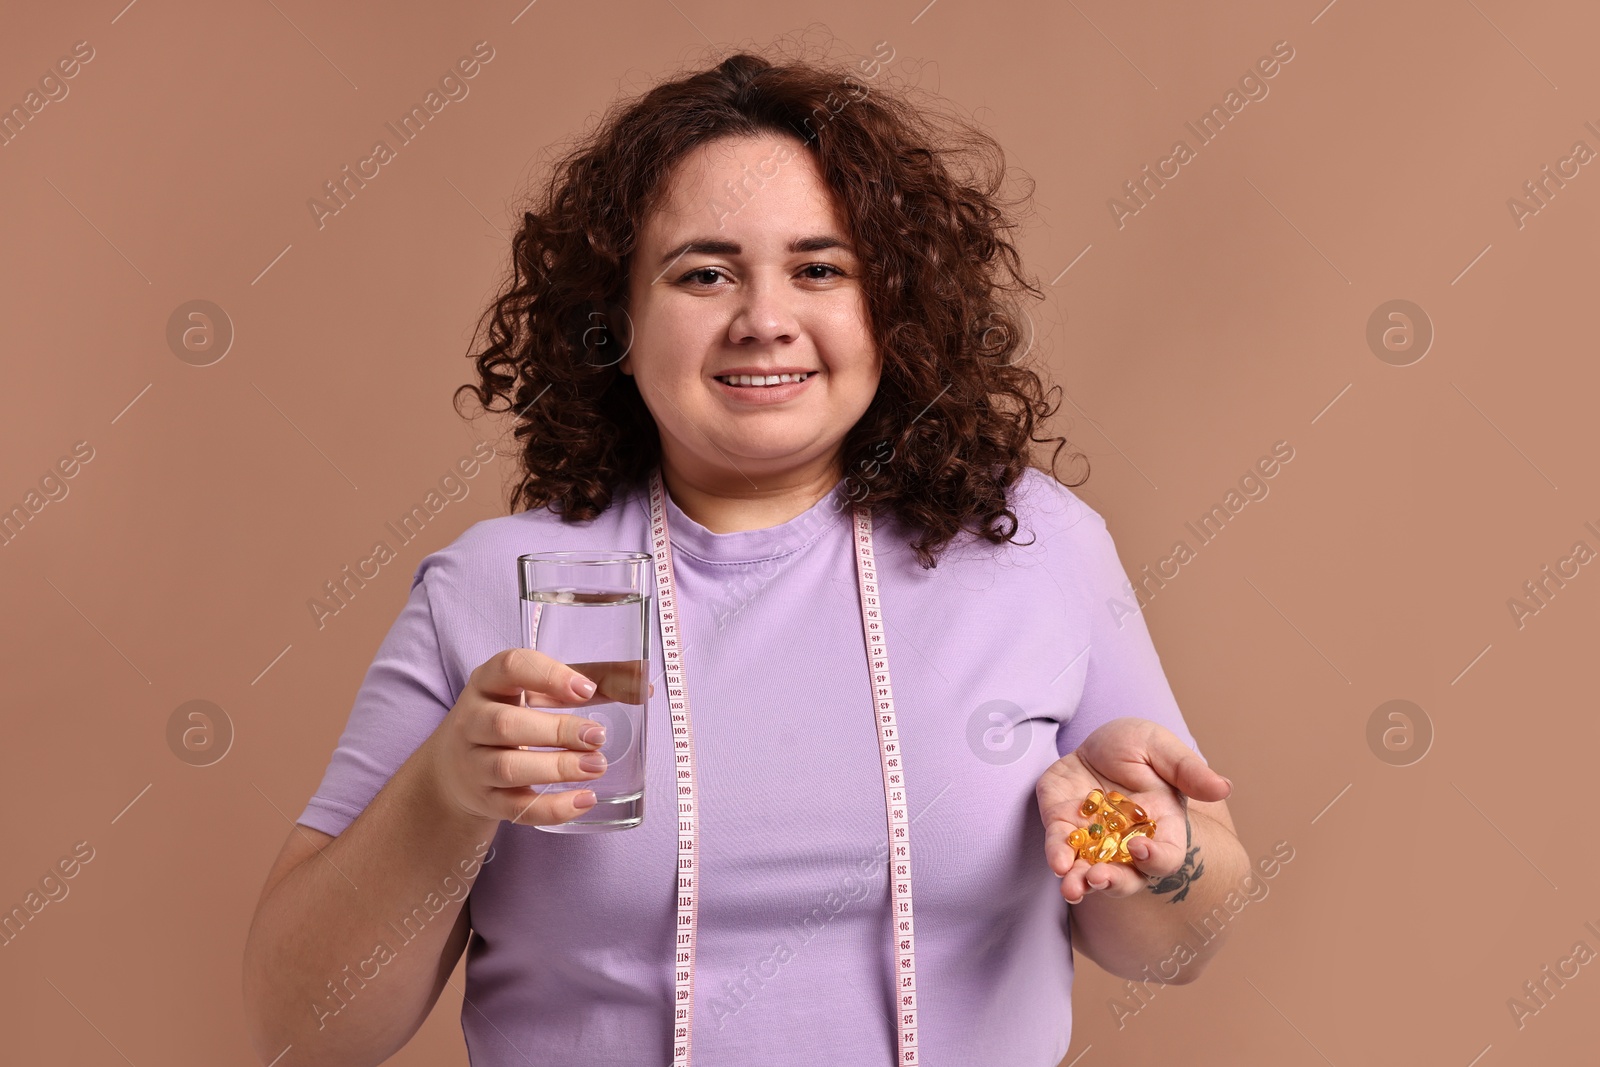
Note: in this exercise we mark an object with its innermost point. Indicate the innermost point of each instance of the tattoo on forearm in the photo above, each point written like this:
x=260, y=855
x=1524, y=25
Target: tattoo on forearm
x=1193, y=866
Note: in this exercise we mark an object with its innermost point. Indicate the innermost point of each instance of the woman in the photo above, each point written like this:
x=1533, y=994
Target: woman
x=770, y=285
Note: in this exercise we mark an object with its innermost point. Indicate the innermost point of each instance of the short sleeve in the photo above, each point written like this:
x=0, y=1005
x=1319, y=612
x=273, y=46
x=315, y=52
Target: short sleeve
x=1124, y=674
x=401, y=701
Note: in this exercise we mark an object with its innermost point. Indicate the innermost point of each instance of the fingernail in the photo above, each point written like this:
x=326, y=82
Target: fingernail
x=592, y=761
x=584, y=800
x=583, y=687
x=593, y=735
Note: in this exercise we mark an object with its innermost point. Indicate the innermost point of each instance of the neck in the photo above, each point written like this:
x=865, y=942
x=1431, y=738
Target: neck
x=729, y=503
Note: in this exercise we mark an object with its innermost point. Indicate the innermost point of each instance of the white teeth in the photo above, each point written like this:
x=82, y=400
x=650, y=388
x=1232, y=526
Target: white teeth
x=760, y=380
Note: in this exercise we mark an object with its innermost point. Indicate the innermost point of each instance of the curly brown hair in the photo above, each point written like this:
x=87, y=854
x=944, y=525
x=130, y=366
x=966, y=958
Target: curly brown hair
x=954, y=409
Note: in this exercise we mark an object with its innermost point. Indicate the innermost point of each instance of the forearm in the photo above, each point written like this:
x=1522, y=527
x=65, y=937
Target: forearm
x=1139, y=936
x=343, y=960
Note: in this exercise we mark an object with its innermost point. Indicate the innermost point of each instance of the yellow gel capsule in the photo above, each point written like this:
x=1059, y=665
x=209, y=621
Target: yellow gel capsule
x=1127, y=808
x=1091, y=803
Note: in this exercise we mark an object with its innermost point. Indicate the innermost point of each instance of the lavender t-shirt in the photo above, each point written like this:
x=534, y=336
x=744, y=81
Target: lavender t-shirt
x=1002, y=659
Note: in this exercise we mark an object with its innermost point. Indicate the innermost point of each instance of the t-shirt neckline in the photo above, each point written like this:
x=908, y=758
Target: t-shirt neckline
x=752, y=546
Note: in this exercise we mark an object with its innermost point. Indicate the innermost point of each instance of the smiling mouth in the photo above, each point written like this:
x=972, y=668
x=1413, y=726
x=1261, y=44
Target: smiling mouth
x=757, y=381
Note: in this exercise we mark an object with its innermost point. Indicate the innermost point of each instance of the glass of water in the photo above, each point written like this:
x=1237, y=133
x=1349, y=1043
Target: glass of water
x=590, y=609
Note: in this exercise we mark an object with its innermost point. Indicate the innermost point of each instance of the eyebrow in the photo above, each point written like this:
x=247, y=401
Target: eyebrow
x=718, y=246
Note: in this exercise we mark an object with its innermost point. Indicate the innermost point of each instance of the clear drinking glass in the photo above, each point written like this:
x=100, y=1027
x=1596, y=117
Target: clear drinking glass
x=590, y=609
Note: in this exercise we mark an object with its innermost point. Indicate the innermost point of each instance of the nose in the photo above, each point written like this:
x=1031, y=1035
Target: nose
x=764, y=314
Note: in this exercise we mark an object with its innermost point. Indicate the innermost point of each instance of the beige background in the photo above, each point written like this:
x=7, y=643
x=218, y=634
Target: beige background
x=1228, y=314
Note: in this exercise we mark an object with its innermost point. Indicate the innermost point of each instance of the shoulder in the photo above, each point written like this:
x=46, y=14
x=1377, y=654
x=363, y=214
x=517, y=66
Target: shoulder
x=489, y=547
x=1053, y=524
x=1043, y=503
x=1059, y=530
x=471, y=585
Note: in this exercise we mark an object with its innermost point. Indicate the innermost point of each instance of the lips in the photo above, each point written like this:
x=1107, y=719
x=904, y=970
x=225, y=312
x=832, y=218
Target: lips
x=756, y=396
x=767, y=380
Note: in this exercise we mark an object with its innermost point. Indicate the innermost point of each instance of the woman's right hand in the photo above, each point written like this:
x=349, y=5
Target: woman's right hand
x=477, y=764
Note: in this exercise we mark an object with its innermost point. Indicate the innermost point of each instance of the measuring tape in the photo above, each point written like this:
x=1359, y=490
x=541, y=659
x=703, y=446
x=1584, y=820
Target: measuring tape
x=894, y=790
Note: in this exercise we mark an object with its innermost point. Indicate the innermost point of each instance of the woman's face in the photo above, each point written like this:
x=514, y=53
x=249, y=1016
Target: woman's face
x=746, y=267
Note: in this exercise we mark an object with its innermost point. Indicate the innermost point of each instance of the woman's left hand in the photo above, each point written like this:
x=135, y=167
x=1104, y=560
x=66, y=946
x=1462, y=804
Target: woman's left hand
x=1149, y=765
